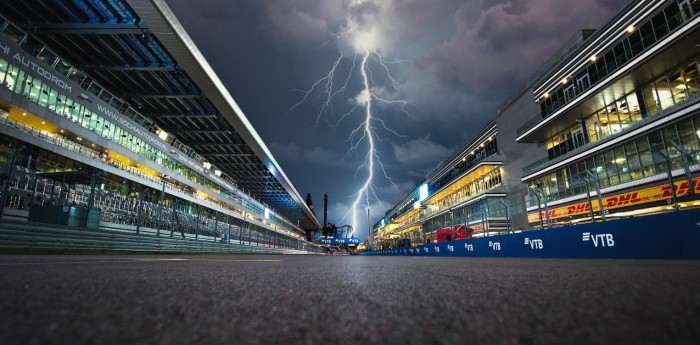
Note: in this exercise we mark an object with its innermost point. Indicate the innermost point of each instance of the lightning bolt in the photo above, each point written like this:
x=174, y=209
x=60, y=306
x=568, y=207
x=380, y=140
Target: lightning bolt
x=369, y=159
x=366, y=191
x=327, y=91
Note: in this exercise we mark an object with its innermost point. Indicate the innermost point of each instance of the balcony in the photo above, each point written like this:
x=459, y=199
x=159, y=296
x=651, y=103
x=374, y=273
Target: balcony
x=659, y=112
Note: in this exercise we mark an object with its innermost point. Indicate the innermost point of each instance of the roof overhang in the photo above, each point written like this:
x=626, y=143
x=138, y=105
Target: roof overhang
x=165, y=26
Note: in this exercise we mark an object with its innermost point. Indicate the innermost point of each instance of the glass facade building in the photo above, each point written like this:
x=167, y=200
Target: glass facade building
x=620, y=120
x=460, y=198
x=608, y=128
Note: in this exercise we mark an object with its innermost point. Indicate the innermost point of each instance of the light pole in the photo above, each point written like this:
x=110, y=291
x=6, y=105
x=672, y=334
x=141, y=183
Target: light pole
x=597, y=191
x=686, y=166
x=670, y=178
x=541, y=196
x=484, y=217
x=588, y=197
x=163, y=178
x=539, y=207
x=506, y=205
x=452, y=224
x=485, y=212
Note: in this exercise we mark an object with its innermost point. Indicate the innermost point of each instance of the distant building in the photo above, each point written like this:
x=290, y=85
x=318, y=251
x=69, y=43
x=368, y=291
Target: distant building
x=462, y=194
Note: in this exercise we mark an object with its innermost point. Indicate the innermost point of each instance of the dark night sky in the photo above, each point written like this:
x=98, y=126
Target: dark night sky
x=454, y=62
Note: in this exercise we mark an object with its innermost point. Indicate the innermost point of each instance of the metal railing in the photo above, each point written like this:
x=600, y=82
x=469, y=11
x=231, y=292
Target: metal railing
x=658, y=111
x=58, y=140
x=25, y=235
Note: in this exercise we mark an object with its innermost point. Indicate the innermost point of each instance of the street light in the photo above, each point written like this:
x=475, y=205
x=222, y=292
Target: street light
x=670, y=177
x=686, y=166
x=484, y=218
x=452, y=224
x=597, y=190
x=506, y=205
x=539, y=207
x=541, y=196
x=588, y=197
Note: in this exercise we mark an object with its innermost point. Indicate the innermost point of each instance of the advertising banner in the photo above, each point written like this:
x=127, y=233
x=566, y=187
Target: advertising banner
x=663, y=236
x=637, y=197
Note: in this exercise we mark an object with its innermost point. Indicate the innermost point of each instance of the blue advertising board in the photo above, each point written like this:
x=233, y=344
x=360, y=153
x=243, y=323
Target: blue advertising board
x=350, y=241
x=663, y=236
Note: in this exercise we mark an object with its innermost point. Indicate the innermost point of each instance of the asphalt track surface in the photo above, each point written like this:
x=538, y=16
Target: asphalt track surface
x=345, y=300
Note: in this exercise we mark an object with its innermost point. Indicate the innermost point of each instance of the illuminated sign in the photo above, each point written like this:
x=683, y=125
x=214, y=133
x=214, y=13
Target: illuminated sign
x=423, y=192
x=637, y=197
x=350, y=241
x=267, y=213
x=34, y=67
x=28, y=62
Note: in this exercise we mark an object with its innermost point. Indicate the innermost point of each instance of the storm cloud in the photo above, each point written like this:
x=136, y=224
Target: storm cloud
x=455, y=61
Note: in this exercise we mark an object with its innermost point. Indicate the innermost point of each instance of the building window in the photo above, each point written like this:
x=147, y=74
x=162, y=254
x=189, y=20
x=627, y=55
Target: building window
x=630, y=161
x=648, y=34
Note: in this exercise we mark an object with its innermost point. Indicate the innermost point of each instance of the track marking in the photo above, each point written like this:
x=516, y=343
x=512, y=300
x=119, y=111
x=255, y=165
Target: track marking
x=127, y=260
x=64, y=262
x=212, y=260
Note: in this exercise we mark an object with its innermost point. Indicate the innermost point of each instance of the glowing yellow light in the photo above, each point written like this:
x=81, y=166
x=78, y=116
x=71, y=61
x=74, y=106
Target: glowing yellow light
x=163, y=134
x=369, y=162
x=630, y=29
x=593, y=58
x=365, y=41
x=564, y=80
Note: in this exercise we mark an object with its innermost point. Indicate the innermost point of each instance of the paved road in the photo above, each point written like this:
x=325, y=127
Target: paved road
x=345, y=300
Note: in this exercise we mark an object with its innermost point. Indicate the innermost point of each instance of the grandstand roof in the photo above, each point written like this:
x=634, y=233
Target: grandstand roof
x=139, y=52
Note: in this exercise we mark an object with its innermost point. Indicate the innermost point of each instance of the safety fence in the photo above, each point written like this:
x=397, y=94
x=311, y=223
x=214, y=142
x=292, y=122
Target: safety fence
x=30, y=197
x=115, y=237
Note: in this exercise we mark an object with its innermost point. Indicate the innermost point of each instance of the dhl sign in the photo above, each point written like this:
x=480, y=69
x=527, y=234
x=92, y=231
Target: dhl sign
x=638, y=197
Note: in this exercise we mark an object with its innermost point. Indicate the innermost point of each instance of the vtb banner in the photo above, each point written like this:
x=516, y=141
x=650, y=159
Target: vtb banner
x=637, y=197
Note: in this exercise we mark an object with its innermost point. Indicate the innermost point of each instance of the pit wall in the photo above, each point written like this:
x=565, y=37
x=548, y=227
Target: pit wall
x=663, y=236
